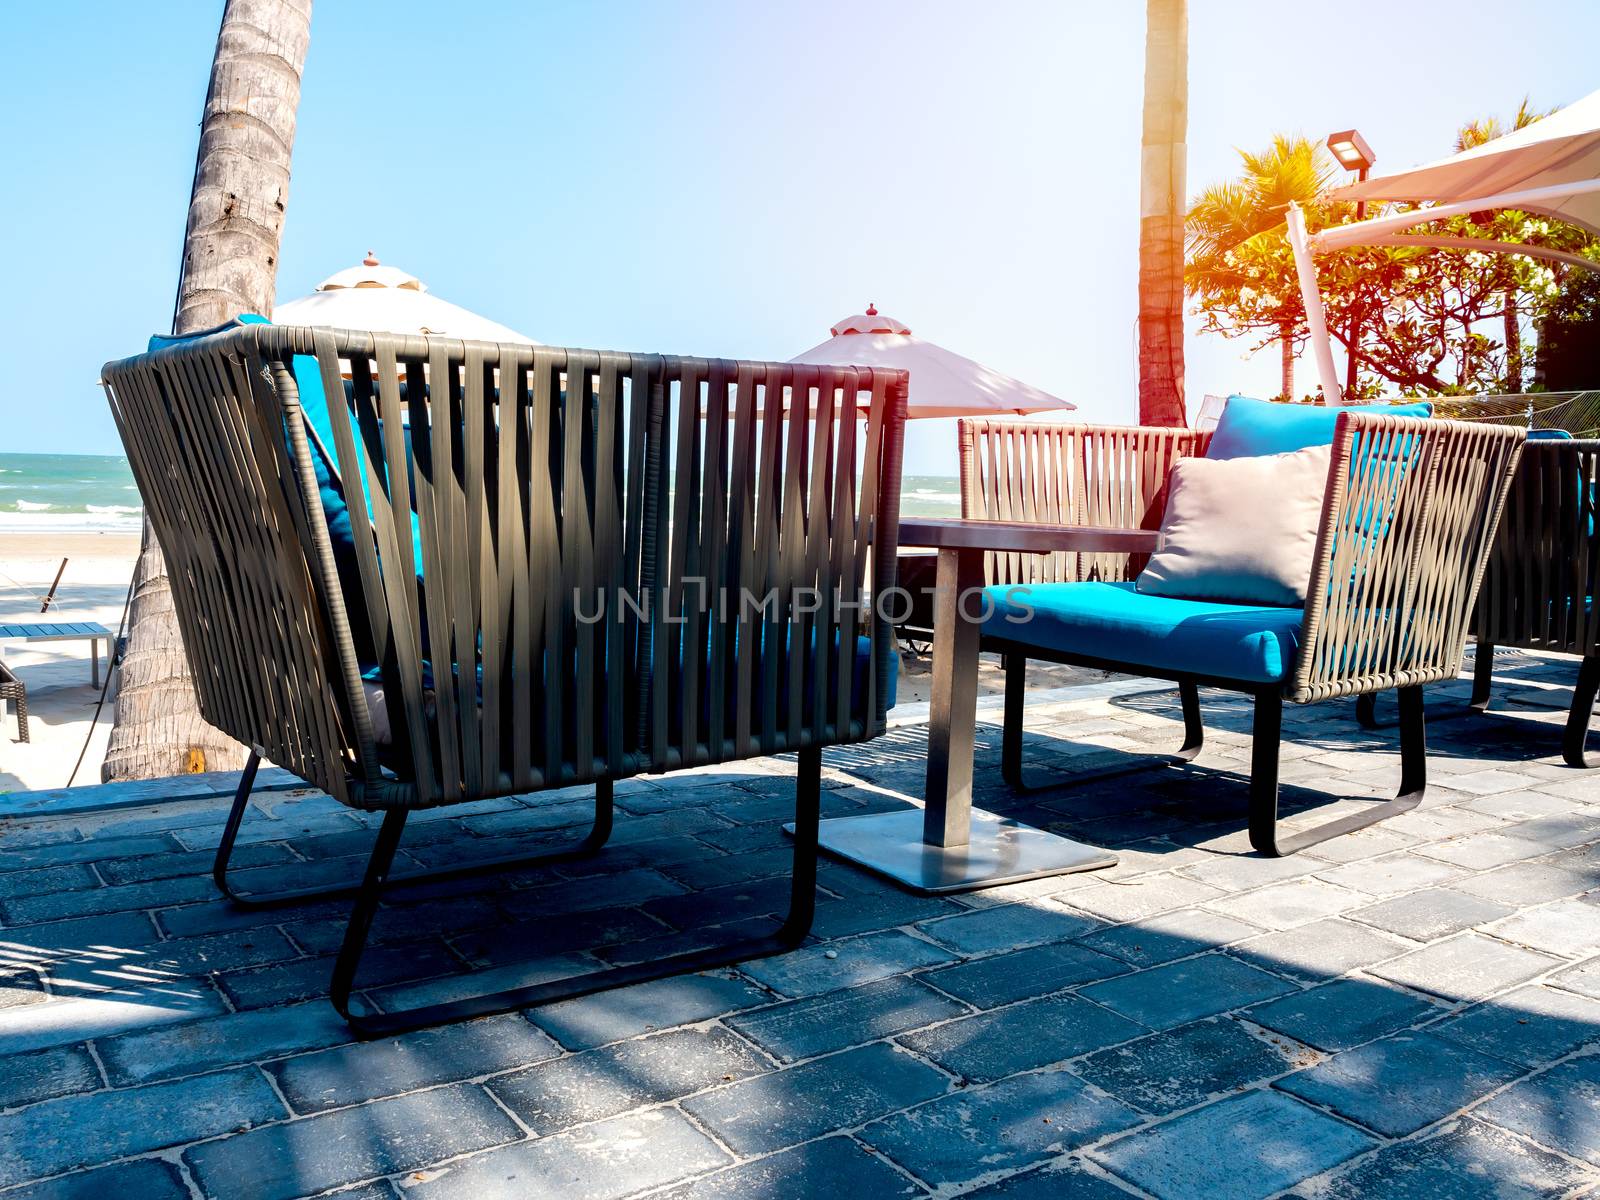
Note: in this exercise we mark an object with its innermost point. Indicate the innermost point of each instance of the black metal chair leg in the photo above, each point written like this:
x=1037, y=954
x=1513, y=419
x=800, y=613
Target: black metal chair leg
x=591, y=844
x=1194, y=730
x=1367, y=710
x=1482, y=676
x=793, y=930
x=1266, y=739
x=1016, y=668
x=1194, y=735
x=1583, y=697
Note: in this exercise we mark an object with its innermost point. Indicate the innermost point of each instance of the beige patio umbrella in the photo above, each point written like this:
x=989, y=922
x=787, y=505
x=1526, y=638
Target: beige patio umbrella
x=943, y=383
x=384, y=299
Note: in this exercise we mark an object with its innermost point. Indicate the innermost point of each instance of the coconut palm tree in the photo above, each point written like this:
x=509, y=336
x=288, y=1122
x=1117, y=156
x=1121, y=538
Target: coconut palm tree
x=230, y=266
x=1237, y=255
x=1161, y=196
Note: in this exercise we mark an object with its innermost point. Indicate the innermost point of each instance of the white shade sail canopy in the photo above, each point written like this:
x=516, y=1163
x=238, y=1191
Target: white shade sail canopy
x=383, y=299
x=943, y=383
x=1551, y=167
x=1561, y=149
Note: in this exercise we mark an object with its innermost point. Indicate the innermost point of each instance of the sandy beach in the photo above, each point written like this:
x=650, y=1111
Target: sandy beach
x=60, y=699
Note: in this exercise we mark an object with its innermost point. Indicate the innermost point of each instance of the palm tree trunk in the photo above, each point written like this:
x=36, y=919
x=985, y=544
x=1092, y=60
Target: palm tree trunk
x=1286, y=363
x=230, y=265
x=1161, y=212
x=1513, y=345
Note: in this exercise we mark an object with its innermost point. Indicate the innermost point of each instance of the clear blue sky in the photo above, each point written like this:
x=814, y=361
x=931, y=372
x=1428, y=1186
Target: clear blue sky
x=712, y=178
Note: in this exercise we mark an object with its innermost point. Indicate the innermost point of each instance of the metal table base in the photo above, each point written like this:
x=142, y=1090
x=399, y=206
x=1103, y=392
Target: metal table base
x=999, y=850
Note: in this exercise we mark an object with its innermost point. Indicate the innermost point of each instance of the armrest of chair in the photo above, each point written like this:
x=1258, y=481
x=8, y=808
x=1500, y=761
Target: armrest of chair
x=1410, y=514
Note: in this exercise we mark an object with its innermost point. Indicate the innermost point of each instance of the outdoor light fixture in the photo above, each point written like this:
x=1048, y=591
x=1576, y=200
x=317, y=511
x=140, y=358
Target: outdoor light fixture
x=1352, y=151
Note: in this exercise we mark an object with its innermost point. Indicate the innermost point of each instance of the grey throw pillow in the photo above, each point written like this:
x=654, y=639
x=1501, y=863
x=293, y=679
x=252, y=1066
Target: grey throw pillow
x=1241, y=530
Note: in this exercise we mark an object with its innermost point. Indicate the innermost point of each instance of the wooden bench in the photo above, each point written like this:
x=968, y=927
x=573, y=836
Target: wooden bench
x=65, y=631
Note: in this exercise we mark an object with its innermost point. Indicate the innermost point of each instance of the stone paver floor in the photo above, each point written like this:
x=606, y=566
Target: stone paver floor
x=1412, y=1010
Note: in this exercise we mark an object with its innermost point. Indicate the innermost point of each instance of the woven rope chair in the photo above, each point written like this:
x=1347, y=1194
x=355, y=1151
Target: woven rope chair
x=1542, y=584
x=1110, y=475
x=527, y=593
x=1408, y=520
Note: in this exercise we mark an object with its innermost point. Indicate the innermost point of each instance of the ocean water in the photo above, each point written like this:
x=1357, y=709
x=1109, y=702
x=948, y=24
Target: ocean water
x=45, y=492
x=93, y=491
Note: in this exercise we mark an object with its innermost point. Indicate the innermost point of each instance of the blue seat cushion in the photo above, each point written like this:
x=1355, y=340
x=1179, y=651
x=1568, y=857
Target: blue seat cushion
x=1250, y=428
x=1115, y=622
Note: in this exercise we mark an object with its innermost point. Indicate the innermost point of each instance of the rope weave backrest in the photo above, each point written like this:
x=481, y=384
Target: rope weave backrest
x=1544, y=571
x=616, y=562
x=1407, y=523
x=220, y=492
x=1105, y=475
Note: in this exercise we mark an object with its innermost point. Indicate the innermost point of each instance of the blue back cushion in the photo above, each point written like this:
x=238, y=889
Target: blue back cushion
x=335, y=510
x=1250, y=428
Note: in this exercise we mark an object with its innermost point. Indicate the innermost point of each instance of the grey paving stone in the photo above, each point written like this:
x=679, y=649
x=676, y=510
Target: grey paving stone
x=1290, y=904
x=446, y=1054
x=1525, y=883
x=597, y=1162
x=1479, y=850
x=221, y=1041
x=19, y=858
x=1583, y=979
x=1168, y=1071
x=1567, y=927
x=1039, y=971
x=1009, y=927
x=1486, y=783
x=44, y=1074
x=770, y=1112
x=20, y=986
x=141, y=1179
x=1430, y=914
x=131, y=1005
x=172, y=865
x=810, y=970
x=1244, y=1148
x=1167, y=936
x=1521, y=806
x=1391, y=874
x=1401, y=1083
x=1559, y=1109
x=42, y=880
x=88, y=902
x=831, y=1167
x=1142, y=897
x=515, y=942
x=834, y=1020
x=1343, y=1013
x=1467, y=1161
x=216, y=952
x=1468, y=967
x=627, y=1012
x=301, y=1158
x=1320, y=950
x=1035, y=1033
x=865, y=913
x=1531, y=1025
x=103, y=938
x=1012, y=1125
x=305, y=978
x=1062, y=1180
x=80, y=1131
x=1243, y=872
x=1180, y=992
x=604, y=1083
